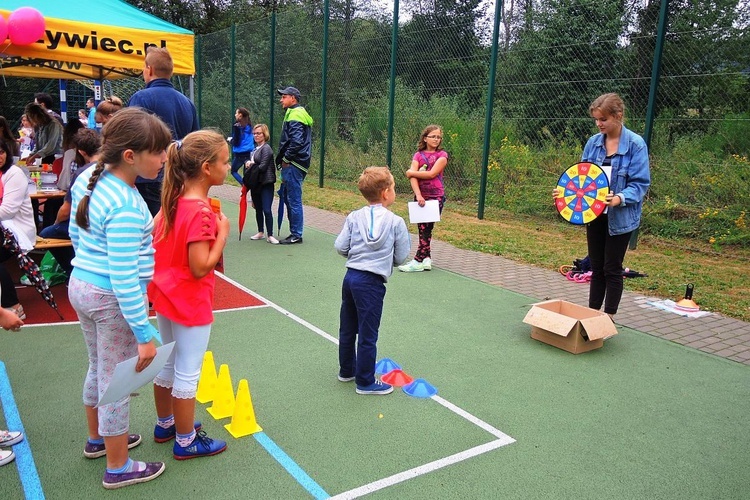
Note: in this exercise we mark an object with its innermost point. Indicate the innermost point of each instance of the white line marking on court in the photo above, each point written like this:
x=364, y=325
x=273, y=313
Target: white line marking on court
x=283, y=311
x=244, y=308
x=474, y=420
x=34, y=325
x=421, y=470
x=503, y=439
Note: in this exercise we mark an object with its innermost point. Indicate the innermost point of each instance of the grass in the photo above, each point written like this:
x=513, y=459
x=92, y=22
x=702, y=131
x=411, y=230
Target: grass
x=721, y=279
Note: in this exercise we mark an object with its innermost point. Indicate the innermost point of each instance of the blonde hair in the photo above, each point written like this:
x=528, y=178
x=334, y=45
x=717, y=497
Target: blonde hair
x=263, y=128
x=160, y=60
x=610, y=104
x=131, y=128
x=110, y=105
x=185, y=159
x=373, y=181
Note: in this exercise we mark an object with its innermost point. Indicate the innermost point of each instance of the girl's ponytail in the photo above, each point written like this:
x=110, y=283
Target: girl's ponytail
x=172, y=187
x=185, y=161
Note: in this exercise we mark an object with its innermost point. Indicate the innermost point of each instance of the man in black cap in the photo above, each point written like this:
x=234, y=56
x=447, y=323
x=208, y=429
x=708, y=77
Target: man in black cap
x=293, y=158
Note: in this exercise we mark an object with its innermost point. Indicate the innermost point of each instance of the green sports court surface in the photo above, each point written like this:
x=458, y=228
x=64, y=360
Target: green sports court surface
x=513, y=418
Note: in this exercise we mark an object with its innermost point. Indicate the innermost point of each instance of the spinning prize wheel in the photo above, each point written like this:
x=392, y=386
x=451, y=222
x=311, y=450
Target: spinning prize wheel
x=584, y=187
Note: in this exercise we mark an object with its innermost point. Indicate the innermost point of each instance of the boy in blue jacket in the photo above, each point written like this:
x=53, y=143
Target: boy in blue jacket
x=373, y=240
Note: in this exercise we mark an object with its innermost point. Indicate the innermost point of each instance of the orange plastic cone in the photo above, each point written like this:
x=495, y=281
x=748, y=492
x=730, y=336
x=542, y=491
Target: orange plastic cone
x=207, y=382
x=397, y=377
x=243, y=420
x=223, y=406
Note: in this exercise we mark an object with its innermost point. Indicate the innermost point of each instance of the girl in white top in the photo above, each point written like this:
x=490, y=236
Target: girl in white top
x=17, y=215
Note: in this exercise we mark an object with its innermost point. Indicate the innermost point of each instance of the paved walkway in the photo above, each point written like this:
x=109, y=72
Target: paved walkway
x=715, y=334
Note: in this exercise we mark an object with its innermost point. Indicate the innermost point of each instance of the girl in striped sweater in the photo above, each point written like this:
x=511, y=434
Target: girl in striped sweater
x=111, y=235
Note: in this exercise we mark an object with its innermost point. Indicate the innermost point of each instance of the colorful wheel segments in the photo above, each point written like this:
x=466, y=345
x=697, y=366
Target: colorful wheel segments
x=583, y=187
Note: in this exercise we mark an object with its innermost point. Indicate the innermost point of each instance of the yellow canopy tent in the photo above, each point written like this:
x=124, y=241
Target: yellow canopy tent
x=93, y=39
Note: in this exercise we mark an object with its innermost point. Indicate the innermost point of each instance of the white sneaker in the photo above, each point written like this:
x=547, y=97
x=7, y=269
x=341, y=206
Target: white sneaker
x=273, y=241
x=411, y=267
x=427, y=264
x=258, y=236
x=6, y=456
x=9, y=438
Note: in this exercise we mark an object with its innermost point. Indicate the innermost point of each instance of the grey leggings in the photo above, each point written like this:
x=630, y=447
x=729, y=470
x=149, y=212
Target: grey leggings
x=109, y=340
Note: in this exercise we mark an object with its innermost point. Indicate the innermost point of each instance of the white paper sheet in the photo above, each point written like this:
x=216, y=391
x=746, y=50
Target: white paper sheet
x=125, y=379
x=430, y=212
x=669, y=305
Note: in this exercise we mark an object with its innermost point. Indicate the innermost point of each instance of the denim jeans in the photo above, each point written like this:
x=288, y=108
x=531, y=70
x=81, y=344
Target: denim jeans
x=237, y=162
x=293, y=178
x=63, y=255
x=51, y=207
x=262, y=199
x=362, y=295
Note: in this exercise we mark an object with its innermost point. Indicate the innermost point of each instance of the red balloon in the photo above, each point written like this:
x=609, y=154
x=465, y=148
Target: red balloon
x=25, y=26
x=3, y=29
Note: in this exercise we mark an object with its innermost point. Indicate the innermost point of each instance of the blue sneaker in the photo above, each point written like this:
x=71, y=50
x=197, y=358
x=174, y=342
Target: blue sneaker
x=162, y=435
x=202, y=446
x=376, y=388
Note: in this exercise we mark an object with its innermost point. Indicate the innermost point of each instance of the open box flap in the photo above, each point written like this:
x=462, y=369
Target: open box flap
x=598, y=327
x=551, y=321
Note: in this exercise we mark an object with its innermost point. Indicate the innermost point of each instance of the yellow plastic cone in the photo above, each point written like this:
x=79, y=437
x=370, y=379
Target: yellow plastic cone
x=207, y=382
x=243, y=420
x=223, y=406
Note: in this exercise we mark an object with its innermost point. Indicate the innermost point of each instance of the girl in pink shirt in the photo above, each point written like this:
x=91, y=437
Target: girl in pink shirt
x=189, y=239
x=426, y=179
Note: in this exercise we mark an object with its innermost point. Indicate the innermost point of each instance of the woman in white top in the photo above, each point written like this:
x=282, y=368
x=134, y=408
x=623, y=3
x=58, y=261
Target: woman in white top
x=17, y=215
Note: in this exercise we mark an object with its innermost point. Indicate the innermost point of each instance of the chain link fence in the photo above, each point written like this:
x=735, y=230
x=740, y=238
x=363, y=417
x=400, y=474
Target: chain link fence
x=553, y=59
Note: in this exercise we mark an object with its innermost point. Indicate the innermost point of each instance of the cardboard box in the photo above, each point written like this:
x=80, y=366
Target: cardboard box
x=569, y=326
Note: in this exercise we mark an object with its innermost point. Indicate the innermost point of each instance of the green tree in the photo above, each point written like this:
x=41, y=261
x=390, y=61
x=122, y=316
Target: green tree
x=564, y=57
x=440, y=52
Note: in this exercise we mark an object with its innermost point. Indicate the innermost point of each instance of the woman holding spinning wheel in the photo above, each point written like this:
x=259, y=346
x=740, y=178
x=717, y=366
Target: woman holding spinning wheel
x=624, y=154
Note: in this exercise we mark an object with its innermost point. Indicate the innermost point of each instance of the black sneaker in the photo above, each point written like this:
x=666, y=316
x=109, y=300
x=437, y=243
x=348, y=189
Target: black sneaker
x=291, y=240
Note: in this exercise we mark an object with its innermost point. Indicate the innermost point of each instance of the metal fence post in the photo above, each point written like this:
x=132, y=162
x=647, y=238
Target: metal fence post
x=232, y=63
x=653, y=90
x=326, y=15
x=656, y=72
x=199, y=78
x=392, y=97
x=272, y=89
x=488, y=112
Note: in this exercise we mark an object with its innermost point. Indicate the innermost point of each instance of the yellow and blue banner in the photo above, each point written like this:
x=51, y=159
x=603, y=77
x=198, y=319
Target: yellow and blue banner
x=102, y=39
